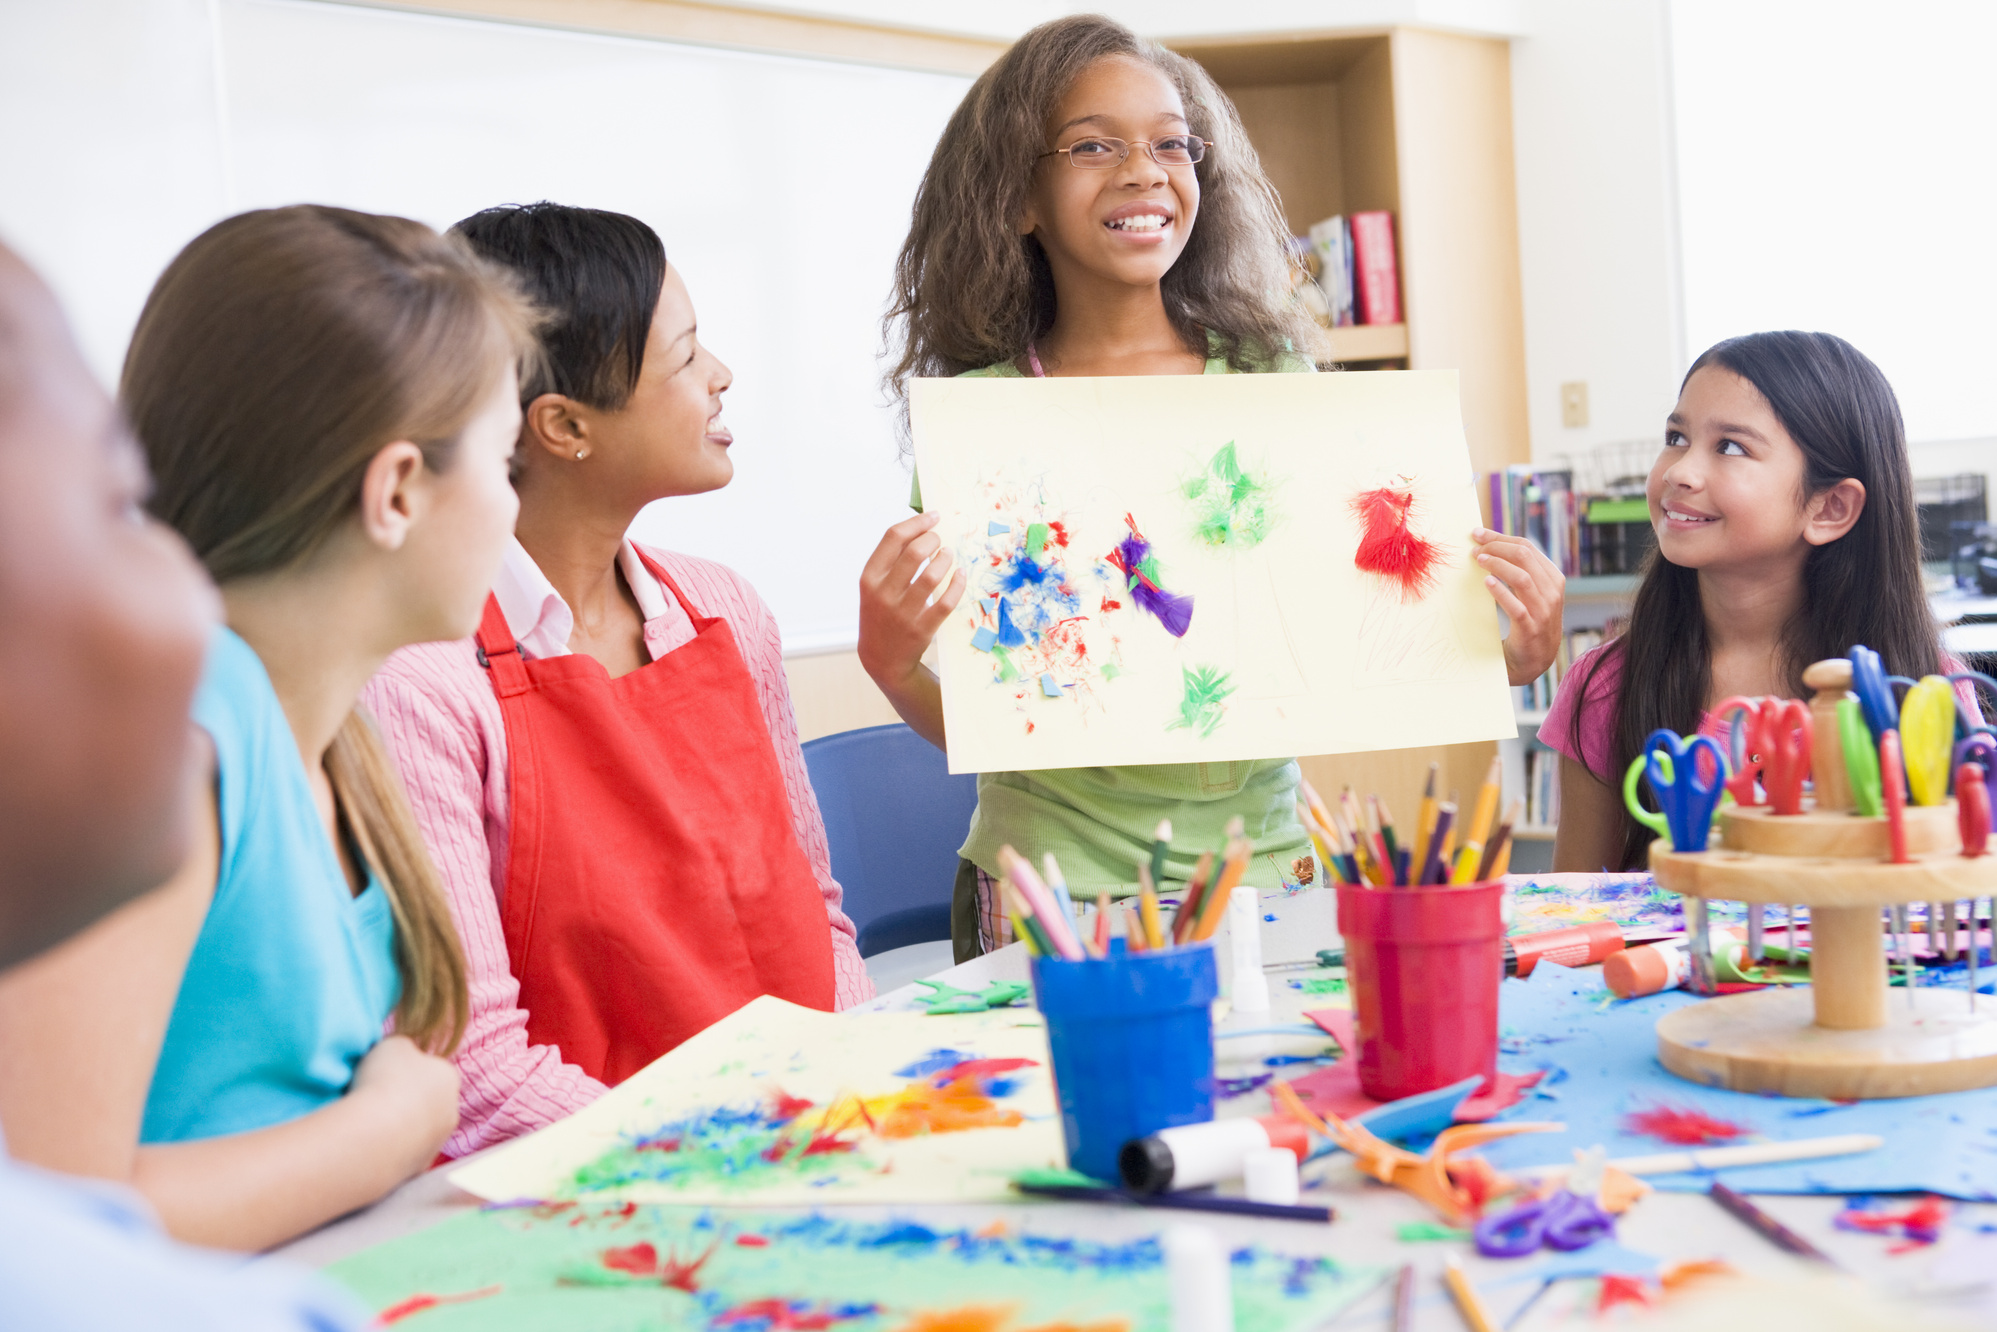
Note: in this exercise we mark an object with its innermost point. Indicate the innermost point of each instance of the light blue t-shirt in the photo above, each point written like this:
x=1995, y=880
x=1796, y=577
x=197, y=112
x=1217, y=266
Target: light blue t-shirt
x=82, y=1256
x=292, y=975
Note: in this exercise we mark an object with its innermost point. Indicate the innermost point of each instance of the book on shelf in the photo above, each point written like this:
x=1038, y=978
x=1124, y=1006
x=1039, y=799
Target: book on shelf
x=1330, y=242
x=1376, y=274
x=1583, y=534
x=1542, y=788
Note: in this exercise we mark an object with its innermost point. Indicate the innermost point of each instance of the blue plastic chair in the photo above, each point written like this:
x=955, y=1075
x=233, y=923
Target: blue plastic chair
x=894, y=817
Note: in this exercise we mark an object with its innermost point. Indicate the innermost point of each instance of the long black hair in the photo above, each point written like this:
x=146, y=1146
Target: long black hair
x=1864, y=587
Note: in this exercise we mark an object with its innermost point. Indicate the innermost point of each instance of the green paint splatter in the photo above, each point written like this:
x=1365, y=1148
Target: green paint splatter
x=1411, y=1232
x=1111, y=670
x=1231, y=507
x=1201, y=708
x=1006, y=670
x=1323, y=985
x=1036, y=540
x=741, y=1147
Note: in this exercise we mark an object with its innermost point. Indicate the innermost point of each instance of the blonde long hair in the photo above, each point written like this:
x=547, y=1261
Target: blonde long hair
x=277, y=354
x=970, y=291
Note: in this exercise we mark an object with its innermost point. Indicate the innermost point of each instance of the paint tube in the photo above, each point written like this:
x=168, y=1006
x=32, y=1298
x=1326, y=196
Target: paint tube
x=1195, y=1155
x=1631, y=973
x=1574, y=946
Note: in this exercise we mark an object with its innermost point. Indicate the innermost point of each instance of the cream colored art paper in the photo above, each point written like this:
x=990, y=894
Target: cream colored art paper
x=778, y=1104
x=1236, y=491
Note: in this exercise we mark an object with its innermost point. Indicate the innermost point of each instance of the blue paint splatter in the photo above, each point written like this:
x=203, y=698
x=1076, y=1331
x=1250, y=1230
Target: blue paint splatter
x=935, y=1062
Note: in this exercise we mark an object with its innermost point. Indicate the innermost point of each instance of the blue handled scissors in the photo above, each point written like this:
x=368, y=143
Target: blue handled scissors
x=1562, y=1220
x=1688, y=801
x=1874, y=688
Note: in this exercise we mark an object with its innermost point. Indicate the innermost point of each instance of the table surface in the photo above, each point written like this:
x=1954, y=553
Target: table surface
x=1960, y=1274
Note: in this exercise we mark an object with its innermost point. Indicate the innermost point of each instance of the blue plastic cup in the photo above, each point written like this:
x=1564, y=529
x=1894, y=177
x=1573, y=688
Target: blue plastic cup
x=1132, y=1039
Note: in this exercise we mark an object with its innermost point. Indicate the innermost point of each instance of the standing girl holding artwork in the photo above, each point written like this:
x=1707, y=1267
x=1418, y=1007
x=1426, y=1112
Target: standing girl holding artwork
x=1786, y=533
x=1094, y=208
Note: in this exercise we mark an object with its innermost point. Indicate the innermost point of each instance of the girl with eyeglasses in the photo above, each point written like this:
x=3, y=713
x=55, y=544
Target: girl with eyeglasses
x=1094, y=208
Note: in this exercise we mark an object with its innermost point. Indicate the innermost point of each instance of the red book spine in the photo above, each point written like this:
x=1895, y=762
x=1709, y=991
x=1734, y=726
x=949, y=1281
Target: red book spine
x=1379, y=287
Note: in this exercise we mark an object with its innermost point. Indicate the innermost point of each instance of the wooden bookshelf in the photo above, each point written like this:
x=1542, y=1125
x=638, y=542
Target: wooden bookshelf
x=1418, y=123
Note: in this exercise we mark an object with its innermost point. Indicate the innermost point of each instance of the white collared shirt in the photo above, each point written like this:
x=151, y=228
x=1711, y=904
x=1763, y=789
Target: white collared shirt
x=541, y=622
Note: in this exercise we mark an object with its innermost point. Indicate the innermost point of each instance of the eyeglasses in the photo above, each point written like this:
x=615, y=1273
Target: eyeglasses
x=1102, y=154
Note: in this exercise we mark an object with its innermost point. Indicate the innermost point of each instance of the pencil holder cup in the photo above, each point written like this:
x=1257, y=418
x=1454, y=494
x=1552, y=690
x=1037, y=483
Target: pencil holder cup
x=1132, y=1040
x=1423, y=966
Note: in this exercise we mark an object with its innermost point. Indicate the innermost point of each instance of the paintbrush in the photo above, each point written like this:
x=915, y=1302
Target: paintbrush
x=1767, y=1226
x=1190, y=1202
x=1189, y=902
x=1499, y=846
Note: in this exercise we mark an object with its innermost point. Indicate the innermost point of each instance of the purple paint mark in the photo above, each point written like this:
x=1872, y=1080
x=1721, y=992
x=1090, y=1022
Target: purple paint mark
x=1133, y=555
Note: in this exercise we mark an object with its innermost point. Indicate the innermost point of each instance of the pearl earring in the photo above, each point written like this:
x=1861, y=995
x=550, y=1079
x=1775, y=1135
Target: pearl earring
x=579, y=455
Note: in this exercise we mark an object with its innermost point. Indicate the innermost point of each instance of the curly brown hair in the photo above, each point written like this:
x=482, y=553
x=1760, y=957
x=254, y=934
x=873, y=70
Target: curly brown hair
x=969, y=291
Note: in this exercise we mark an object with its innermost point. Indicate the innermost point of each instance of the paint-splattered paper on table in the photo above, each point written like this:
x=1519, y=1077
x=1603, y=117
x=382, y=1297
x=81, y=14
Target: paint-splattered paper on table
x=1199, y=568
x=778, y=1104
x=656, y=1268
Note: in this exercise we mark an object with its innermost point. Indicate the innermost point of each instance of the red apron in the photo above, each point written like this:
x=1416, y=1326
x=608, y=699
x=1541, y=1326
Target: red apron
x=654, y=883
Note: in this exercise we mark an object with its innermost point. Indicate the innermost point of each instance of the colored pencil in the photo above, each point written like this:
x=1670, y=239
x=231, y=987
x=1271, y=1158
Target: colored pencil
x=1468, y=1302
x=1397, y=854
x=1451, y=833
x=1214, y=909
x=1425, y=822
x=1404, y=1299
x=1058, y=885
x=1499, y=845
x=1189, y=902
x=1037, y=896
x=1023, y=917
x=1161, y=845
x=1133, y=930
x=1725, y=1158
x=1188, y=1202
x=1501, y=862
x=1147, y=906
x=1101, y=941
x=1767, y=1226
x=1437, y=861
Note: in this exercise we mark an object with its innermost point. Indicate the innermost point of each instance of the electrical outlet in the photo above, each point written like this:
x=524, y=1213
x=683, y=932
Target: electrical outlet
x=1574, y=404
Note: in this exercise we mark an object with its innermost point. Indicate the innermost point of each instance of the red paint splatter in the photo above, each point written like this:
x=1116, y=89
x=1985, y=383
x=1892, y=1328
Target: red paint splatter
x=752, y=1242
x=784, y=1107
x=1623, y=1290
x=1029, y=728
x=1389, y=548
x=660, y=1145
x=1109, y=605
x=416, y=1304
x=1683, y=1126
x=782, y=1316
x=1059, y=532
x=637, y=1259
x=683, y=1275
x=1921, y=1224
x=824, y=1143
x=978, y=1070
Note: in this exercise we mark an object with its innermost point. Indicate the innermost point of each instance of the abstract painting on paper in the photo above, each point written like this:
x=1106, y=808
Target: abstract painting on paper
x=778, y=1104
x=625, y=1268
x=1200, y=568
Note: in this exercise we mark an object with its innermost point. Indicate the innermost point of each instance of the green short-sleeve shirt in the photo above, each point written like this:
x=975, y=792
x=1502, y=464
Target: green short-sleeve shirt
x=1098, y=821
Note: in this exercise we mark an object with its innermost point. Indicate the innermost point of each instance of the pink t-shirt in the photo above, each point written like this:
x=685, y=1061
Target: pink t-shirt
x=1582, y=721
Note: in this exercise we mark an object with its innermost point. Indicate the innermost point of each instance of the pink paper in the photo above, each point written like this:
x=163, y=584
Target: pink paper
x=1335, y=1090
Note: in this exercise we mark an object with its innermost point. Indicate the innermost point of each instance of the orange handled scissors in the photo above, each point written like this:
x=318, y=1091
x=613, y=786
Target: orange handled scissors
x=1783, y=738
x=1744, y=746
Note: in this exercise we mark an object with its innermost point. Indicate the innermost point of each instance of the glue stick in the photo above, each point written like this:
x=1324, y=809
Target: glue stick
x=1196, y=1272
x=1250, y=990
x=1651, y=968
x=1195, y=1155
x=1574, y=946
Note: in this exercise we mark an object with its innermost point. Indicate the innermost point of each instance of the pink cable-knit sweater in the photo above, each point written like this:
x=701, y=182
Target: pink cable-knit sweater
x=442, y=723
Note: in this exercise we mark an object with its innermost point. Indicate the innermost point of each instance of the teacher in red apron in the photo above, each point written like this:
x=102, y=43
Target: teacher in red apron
x=608, y=772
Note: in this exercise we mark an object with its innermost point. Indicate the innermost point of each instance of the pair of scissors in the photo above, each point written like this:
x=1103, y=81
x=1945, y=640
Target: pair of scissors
x=1972, y=810
x=1687, y=799
x=1927, y=734
x=1561, y=1220
x=1893, y=785
x=1861, y=760
x=1874, y=688
x=1744, y=745
x=1784, y=739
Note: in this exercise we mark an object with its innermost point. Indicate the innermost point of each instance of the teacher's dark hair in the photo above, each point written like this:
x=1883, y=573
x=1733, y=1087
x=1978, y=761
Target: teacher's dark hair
x=1865, y=587
x=595, y=277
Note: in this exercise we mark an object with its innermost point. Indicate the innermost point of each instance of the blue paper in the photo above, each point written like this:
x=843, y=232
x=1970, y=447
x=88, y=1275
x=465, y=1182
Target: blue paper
x=994, y=529
x=1601, y=1054
x=1048, y=687
x=984, y=638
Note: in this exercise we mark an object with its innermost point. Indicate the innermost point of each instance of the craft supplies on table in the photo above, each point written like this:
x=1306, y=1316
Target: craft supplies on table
x=1131, y=1036
x=1885, y=836
x=1423, y=967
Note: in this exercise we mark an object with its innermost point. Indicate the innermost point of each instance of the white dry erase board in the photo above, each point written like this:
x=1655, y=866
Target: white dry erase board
x=1179, y=569
x=780, y=185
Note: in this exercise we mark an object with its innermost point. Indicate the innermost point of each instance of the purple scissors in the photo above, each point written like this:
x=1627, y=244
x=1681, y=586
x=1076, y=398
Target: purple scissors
x=1562, y=1221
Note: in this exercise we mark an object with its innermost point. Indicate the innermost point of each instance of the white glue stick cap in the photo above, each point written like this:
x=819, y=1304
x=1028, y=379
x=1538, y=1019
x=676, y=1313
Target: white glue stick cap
x=1196, y=1269
x=1269, y=1175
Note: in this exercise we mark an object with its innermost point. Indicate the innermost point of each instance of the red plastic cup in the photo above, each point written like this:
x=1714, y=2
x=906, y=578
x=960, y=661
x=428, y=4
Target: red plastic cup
x=1423, y=966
